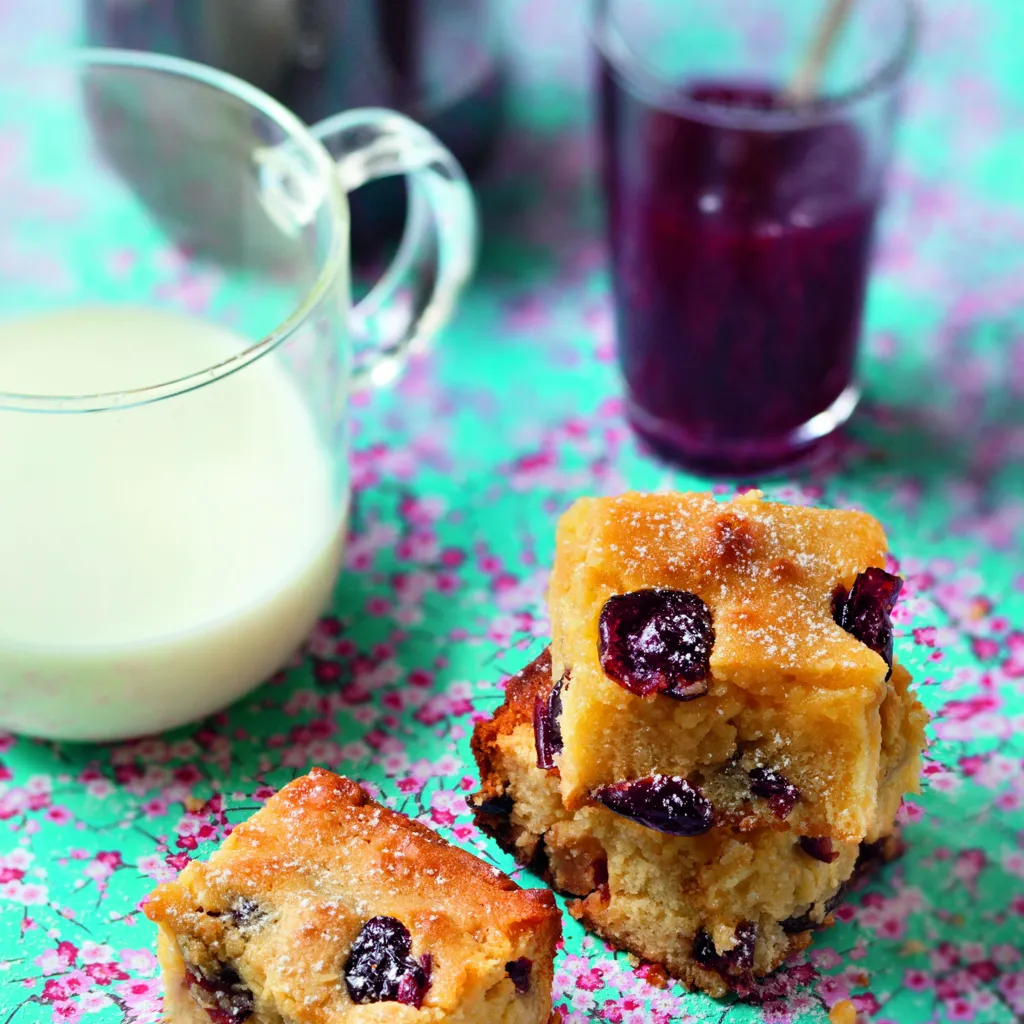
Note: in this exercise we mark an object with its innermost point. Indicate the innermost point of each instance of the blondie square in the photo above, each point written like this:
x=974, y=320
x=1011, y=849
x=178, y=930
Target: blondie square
x=717, y=910
x=740, y=648
x=327, y=908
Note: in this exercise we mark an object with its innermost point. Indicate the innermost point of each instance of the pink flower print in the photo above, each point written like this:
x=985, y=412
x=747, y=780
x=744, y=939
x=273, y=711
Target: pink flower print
x=28, y=895
x=1004, y=954
x=59, y=960
x=39, y=785
x=66, y=1013
x=489, y=563
x=96, y=953
x=984, y=648
x=908, y=812
x=1014, y=665
x=968, y=865
x=590, y=980
x=959, y=1010
x=833, y=988
x=917, y=981
x=1011, y=986
x=76, y=982
x=54, y=991
x=984, y=971
x=446, y=583
x=93, y=1002
x=11, y=874
x=866, y=1003
x=1008, y=801
x=420, y=677
x=100, y=788
x=139, y=993
x=394, y=764
x=1013, y=862
x=450, y=802
x=452, y=558
x=105, y=864
x=58, y=815
x=178, y=861
x=12, y=802
x=944, y=957
x=155, y=808
x=105, y=974
x=433, y=711
x=825, y=959
x=187, y=774
x=996, y=770
x=891, y=927
x=139, y=961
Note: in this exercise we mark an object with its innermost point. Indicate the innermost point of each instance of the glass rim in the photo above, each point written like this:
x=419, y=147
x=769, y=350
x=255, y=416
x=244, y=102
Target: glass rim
x=637, y=75
x=327, y=275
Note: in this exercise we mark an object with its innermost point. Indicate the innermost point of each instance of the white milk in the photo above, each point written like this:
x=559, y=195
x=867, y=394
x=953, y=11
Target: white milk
x=155, y=562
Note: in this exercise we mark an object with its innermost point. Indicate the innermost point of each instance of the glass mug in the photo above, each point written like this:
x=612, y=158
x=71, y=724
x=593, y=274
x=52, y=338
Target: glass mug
x=177, y=350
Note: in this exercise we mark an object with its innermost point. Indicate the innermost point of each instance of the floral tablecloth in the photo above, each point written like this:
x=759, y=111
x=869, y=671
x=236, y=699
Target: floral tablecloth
x=443, y=593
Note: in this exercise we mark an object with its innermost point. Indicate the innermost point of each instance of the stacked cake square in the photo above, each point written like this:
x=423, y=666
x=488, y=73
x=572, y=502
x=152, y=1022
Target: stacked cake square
x=719, y=737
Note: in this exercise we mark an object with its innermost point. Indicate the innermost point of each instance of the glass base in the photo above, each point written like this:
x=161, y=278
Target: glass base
x=732, y=457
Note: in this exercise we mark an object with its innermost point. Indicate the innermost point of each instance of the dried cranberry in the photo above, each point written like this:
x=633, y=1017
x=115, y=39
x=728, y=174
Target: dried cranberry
x=803, y=922
x=741, y=956
x=497, y=806
x=738, y=960
x=865, y=611
x=774, y=787
x=380, y=968
x=819, y=848
x=657, y=641
x=704, y=951
x=246, y=912
x=519, y=971
x=233, y=1001
x=666, y=803
x=547, y=731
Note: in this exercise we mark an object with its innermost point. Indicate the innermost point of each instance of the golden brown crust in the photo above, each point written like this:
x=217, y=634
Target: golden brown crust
x=490, y=803
x=521, y=691
x=283, y=898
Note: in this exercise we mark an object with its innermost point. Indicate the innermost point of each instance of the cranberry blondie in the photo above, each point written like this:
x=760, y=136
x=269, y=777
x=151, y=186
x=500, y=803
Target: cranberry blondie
x=719, y=908
x=740, y=648
x=327, y=908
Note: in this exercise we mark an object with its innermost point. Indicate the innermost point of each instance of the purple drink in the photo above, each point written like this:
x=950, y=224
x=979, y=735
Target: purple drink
x=741, y=234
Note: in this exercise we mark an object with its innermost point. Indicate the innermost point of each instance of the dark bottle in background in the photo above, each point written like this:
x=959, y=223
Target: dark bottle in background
x=439, y=61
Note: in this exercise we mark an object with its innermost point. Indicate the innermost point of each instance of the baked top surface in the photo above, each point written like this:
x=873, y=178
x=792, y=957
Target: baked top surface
x=284, y=897
x=766, y=570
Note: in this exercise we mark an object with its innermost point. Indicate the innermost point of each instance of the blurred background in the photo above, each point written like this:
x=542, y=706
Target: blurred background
x=509, y=86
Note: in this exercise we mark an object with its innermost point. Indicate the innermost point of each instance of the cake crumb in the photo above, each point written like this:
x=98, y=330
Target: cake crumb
x=656, y=975
x=844, y=1012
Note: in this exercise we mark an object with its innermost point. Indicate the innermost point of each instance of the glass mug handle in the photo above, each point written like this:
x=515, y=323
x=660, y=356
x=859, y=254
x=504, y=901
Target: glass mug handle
x=419, y=290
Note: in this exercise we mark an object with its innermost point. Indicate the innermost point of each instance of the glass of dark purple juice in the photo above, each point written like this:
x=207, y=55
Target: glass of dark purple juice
x=741, y=222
